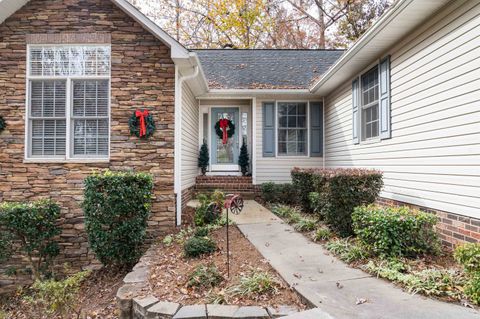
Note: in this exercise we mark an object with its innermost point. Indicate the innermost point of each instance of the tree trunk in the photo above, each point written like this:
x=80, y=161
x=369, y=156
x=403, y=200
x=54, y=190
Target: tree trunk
x=321, y=25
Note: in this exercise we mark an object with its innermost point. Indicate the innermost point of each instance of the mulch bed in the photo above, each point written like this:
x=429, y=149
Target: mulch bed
x=169, y=273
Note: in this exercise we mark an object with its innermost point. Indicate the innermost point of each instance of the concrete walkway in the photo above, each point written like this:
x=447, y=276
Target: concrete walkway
x=314, y=274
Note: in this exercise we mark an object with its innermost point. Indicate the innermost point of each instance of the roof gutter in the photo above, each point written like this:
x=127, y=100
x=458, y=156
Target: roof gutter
x=364, y=40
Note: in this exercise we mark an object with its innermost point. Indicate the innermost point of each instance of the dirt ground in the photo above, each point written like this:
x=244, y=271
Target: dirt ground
x=170, y=273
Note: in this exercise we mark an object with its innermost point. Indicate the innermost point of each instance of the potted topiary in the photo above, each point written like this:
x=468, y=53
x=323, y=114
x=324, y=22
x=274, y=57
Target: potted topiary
x=244, y=159
x=203, y=158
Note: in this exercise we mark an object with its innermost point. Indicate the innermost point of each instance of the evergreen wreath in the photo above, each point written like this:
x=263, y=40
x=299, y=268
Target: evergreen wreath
x=3, y=124
x=230, y=131
x=135, y=124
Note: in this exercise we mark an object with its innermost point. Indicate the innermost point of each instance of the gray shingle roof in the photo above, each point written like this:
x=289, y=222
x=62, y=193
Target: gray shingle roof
x=265, y=69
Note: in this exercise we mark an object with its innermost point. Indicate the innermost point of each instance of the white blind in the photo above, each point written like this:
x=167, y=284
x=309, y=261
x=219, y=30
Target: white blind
x=90, y=117
x=47, y=118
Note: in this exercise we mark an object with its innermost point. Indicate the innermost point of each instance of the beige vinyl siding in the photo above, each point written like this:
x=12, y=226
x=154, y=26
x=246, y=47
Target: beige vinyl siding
x=433, y=157
x=277, y=169
x=190, y=147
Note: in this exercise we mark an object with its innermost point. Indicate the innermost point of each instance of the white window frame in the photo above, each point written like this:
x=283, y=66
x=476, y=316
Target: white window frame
x=69, y=157
x=282, y=156
x=362, y=138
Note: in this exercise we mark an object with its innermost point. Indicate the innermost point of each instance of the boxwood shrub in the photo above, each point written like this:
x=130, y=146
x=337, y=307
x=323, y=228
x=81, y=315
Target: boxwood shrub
x=117, y=206
x=302, y=181
x=279, y=193
x=339, y=191
x=396, y=231
x=197, y=246
x=33, y=228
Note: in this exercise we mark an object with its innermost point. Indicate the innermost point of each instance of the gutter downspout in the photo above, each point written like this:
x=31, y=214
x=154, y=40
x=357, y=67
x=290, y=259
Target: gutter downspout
x=178, y=140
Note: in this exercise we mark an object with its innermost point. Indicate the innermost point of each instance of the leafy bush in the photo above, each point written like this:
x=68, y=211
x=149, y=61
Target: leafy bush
x=472, y=289
x=58, y=297
x=396, y=231
x=347, y=250
x=305, y=225
x=430, y=282
x=256, y=282
x=339, y=191
x=117, y=206
x=204, y=215
x=197, y=246
x=468, y=255
x=201, y=232
x=302, y=180
x=34, y=225
x=322, y=233
x=279, y=193
x=204, y=276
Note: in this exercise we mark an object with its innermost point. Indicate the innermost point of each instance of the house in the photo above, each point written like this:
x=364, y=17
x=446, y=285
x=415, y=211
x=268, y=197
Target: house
x=403, y=99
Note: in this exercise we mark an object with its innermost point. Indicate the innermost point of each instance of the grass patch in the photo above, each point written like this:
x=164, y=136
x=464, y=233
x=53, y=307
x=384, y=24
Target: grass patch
x=322, y=234
x=430, y=282
x=347, y=250
x=256, y=282
x=205, y=276
x=305, y=225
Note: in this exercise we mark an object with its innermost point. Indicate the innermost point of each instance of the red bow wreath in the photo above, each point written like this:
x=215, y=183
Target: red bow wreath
x=142, y=116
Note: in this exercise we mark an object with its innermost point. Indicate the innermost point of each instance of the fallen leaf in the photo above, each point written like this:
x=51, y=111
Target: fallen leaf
x=360, y=301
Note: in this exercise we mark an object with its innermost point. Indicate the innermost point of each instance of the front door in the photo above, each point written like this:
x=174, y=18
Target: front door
x=225, y=156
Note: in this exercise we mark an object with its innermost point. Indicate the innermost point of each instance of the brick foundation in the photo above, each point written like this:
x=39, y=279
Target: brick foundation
x=142, y=76
x=187, y=195
x=228, y=184
x=453, y=229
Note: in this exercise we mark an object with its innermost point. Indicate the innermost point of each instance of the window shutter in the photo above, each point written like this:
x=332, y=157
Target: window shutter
x=355, y=113
x=384, y=76
x=316, y=129
x=268, y=129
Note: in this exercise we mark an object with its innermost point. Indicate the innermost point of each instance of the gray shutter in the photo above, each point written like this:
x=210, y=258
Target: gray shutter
x=316, y=129
x=355, y=113
x=384, y=76
x=268, y=129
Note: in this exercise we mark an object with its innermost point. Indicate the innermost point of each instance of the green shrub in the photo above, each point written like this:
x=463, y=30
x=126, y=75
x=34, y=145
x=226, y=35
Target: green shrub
x=279, y=193
x=206, y=276
x=430, y=282
x=256, y=282
x=339, y=191
x=347, y=250
x=205, y=215
x=468, y=255
x=34, y=226
x=472, y=289
x=58, y=297
x=305, y=225
x=117, y=206
x=396, y=231
x=201, y=232
x=197, y=246
x=322, y=233
x=302, y=180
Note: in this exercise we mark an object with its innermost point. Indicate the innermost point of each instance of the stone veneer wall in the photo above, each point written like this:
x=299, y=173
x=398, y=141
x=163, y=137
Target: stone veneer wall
x=143, y=76
x=453, y=229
